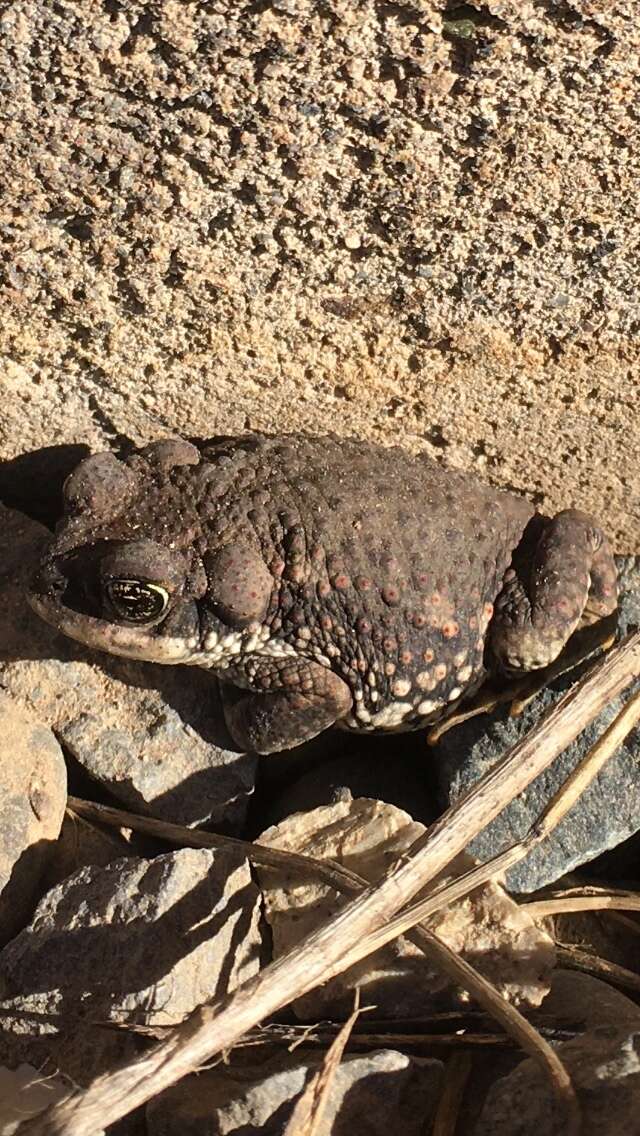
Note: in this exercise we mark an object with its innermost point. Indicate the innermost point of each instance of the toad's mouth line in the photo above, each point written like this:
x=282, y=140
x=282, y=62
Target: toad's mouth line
x=114, y=639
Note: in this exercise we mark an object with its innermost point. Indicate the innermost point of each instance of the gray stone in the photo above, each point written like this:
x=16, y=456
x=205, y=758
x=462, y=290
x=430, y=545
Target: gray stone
x=33, y=794
x=607, y=813
x=587, y=1002
x=165, y=757
x=154, y=736
x=370, y=1096
x=138, y=941
x=603, y=1062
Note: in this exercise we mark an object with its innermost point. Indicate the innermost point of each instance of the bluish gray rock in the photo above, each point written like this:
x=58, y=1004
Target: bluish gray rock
x=608, y=811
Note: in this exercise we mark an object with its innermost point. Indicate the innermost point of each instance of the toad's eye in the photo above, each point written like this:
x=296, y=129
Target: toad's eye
x=135, y=601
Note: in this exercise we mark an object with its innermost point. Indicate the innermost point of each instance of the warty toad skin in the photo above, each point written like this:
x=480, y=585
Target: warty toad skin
x=323, y=580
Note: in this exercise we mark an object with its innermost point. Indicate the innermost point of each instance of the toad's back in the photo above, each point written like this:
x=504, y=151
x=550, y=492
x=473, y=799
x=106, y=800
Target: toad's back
x=388, y=565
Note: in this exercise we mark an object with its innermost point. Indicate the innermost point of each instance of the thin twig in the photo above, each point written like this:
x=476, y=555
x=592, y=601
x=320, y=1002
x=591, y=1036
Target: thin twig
x=347, y=937
x=310, y=1107
x=393, y=1040
x=259, y=854
x=575, y=958
x=456, y=1075
x=511, y=1020
x=377, y=1035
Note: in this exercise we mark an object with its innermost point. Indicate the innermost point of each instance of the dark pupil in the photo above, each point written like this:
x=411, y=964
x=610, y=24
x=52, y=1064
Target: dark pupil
x=135, y=601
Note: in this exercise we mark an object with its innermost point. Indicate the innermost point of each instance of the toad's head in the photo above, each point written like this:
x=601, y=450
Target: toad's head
x=139, y=565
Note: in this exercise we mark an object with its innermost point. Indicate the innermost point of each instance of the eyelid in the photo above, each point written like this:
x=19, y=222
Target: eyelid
x=159, y=589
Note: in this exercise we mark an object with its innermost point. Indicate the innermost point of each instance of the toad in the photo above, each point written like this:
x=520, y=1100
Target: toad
x=323, y=580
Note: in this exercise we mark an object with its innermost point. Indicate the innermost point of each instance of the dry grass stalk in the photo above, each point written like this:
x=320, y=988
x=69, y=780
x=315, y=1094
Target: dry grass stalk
x=471, y=1029
x=456, y=1075
x=575, y=958
x=349, y=936
x=192, y=837
x=317, y=1037
x=309, y=1108
x=591, y=765
x=512, y=1021
x=464, y=1029
x=561, y=903
x=343, y=880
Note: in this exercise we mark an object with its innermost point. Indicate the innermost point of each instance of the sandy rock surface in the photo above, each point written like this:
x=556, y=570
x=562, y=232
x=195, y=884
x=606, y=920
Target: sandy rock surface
x=487, y=928
x=385, y=219
x=143, y=941
x=33, y=795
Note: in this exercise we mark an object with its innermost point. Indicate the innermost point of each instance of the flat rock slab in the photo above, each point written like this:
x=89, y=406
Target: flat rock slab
x=153, y=736
x=370, y=1096
x=33, y=794
x=138, y=941
x=607, y=813
x=487, y=927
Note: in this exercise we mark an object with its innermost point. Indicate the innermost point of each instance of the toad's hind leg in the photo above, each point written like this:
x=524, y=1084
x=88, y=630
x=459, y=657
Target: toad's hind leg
x=303, y=699
x=568, y=579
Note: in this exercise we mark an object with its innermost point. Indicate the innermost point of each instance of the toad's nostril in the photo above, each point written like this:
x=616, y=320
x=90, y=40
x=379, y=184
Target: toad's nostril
x=47, y=579
x=58, y=584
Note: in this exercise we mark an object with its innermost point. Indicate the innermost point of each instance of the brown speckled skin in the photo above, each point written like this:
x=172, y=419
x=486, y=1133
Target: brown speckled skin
x=324, y=579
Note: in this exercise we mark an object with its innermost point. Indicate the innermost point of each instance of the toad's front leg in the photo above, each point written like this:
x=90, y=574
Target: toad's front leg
x=567, y=579
x=289, y=702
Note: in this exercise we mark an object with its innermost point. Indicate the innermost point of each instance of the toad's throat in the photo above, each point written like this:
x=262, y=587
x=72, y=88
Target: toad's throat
x=217, y=648
x=114, y=638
